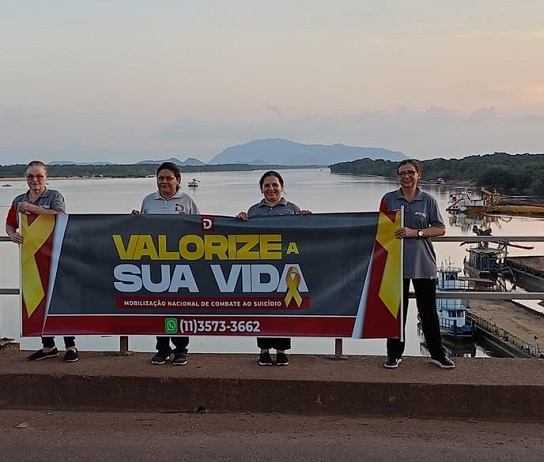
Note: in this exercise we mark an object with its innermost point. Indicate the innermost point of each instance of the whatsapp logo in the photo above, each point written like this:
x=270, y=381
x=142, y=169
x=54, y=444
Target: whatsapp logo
x=171, y=325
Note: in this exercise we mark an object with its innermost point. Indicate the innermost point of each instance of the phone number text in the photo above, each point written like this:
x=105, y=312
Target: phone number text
x=194, y=326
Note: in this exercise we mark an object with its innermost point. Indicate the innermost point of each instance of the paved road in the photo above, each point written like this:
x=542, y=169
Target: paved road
x=75, y=436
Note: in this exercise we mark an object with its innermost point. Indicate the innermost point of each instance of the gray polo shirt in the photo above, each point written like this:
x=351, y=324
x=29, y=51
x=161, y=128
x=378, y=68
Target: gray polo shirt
x=49, y=199
x=283, y=207
x=180, y=203
x=419, y=259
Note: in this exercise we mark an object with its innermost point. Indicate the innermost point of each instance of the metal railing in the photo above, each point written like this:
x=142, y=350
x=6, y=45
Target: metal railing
x=483, y=295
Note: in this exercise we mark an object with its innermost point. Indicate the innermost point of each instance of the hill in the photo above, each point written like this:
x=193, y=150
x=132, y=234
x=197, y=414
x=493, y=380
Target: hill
x=188, y=161
x=278, y=151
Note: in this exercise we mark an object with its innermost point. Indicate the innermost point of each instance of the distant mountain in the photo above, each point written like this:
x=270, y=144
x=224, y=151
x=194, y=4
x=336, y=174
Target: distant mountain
x=192, y=161
x=189, y=161
x=277, y=151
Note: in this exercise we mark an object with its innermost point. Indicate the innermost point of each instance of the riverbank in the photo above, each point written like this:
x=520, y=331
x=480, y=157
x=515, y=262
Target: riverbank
x=310, y=385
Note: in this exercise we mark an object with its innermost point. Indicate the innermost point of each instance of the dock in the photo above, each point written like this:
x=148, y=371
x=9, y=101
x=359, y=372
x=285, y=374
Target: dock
x=533, y=264
x=511, y=322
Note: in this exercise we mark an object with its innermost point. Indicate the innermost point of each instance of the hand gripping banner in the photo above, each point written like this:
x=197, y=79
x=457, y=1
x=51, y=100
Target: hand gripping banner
x=321, y=275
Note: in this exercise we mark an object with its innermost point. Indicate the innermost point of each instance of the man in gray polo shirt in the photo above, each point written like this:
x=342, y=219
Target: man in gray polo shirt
x=422, y=221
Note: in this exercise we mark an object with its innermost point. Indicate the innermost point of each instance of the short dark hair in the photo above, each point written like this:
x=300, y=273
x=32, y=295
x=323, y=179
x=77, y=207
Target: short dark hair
x=172, y=167
x=413, y=162
x=270, y=173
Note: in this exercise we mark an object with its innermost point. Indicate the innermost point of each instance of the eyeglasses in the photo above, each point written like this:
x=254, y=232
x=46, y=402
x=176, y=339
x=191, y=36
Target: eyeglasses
x=409, y=173
x=39, y=176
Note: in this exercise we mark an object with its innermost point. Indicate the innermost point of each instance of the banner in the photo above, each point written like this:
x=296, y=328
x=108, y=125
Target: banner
x=330, y=275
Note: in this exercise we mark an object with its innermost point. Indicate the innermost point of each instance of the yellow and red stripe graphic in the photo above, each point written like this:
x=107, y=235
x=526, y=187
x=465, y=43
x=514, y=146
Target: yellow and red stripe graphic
x=35, y=233
x=391, y=279
x=384, y=294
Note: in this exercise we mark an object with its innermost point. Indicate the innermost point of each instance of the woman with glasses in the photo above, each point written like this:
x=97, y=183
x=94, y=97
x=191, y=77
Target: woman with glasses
x=422, y=222
x=39, y=200
x=169, y=199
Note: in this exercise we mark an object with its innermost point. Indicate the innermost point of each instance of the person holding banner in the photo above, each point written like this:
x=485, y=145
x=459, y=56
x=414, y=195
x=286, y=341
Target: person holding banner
x=422, y=222
x=39, y=200
x=273, y=204
x=169, y=199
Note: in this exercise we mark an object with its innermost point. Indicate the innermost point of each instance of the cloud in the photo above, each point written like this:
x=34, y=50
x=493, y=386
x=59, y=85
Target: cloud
x=433, y=132
x=539, y=34
x=534, y=93
x=439, y=115
x=429, y=133
x=483, y=114
x=275, y=110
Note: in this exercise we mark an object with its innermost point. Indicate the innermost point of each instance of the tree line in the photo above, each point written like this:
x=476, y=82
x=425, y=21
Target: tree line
x=507, y=173
x=128, y=170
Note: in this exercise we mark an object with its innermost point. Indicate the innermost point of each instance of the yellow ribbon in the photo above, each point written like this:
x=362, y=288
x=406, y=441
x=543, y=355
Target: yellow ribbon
x=35, y=235
x=292, y=279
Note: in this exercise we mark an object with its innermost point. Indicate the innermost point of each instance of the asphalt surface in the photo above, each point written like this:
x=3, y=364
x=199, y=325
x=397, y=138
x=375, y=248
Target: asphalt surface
x=30, y=436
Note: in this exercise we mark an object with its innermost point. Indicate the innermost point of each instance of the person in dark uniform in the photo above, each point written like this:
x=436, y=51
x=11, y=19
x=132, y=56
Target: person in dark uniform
x=422, y=221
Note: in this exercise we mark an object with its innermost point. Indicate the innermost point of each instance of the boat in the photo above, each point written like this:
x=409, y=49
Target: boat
x=6, y=185
x=528, y=271
x=193, y=183
x=453, y=314
x=462, y=200
x=484, y=261
x=488, y=260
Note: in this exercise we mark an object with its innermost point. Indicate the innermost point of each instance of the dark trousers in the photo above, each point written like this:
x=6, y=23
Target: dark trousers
x=49, y=342
x=265, y=343
x=425, y=290
x=181, y=343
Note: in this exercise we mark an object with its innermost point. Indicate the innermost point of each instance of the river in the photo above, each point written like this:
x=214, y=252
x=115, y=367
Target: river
x=227, y=193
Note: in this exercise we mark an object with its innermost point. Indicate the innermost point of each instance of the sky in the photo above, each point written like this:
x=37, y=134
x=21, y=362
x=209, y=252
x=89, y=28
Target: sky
x=128, y=80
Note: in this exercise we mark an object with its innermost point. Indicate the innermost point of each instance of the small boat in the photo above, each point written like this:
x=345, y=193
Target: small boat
x=490, y=201
x=489, y=260
x=6, y=185
x=462, y=200
x=453, y=314
x=193, y=183
x=484, y=261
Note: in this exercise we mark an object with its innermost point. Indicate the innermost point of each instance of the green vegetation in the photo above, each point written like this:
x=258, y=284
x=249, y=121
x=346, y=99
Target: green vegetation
x=508, y=174
x=129, y=170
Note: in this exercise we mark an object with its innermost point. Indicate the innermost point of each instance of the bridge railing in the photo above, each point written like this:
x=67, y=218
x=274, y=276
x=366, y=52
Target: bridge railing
x=483, y=295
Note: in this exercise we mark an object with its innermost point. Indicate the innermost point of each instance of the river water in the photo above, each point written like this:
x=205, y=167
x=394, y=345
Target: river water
x=227, y=193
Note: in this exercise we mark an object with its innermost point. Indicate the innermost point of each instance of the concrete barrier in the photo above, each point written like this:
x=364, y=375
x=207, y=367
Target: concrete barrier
x=479, y=388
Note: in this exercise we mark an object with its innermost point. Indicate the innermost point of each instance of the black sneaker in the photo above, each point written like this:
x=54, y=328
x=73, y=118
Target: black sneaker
x=38, y=355
x=391, y=362
x=160, y=358
x=265, y=359
x=282, y=359
x=180, y=359
x=443, y=363
x=71, y=356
